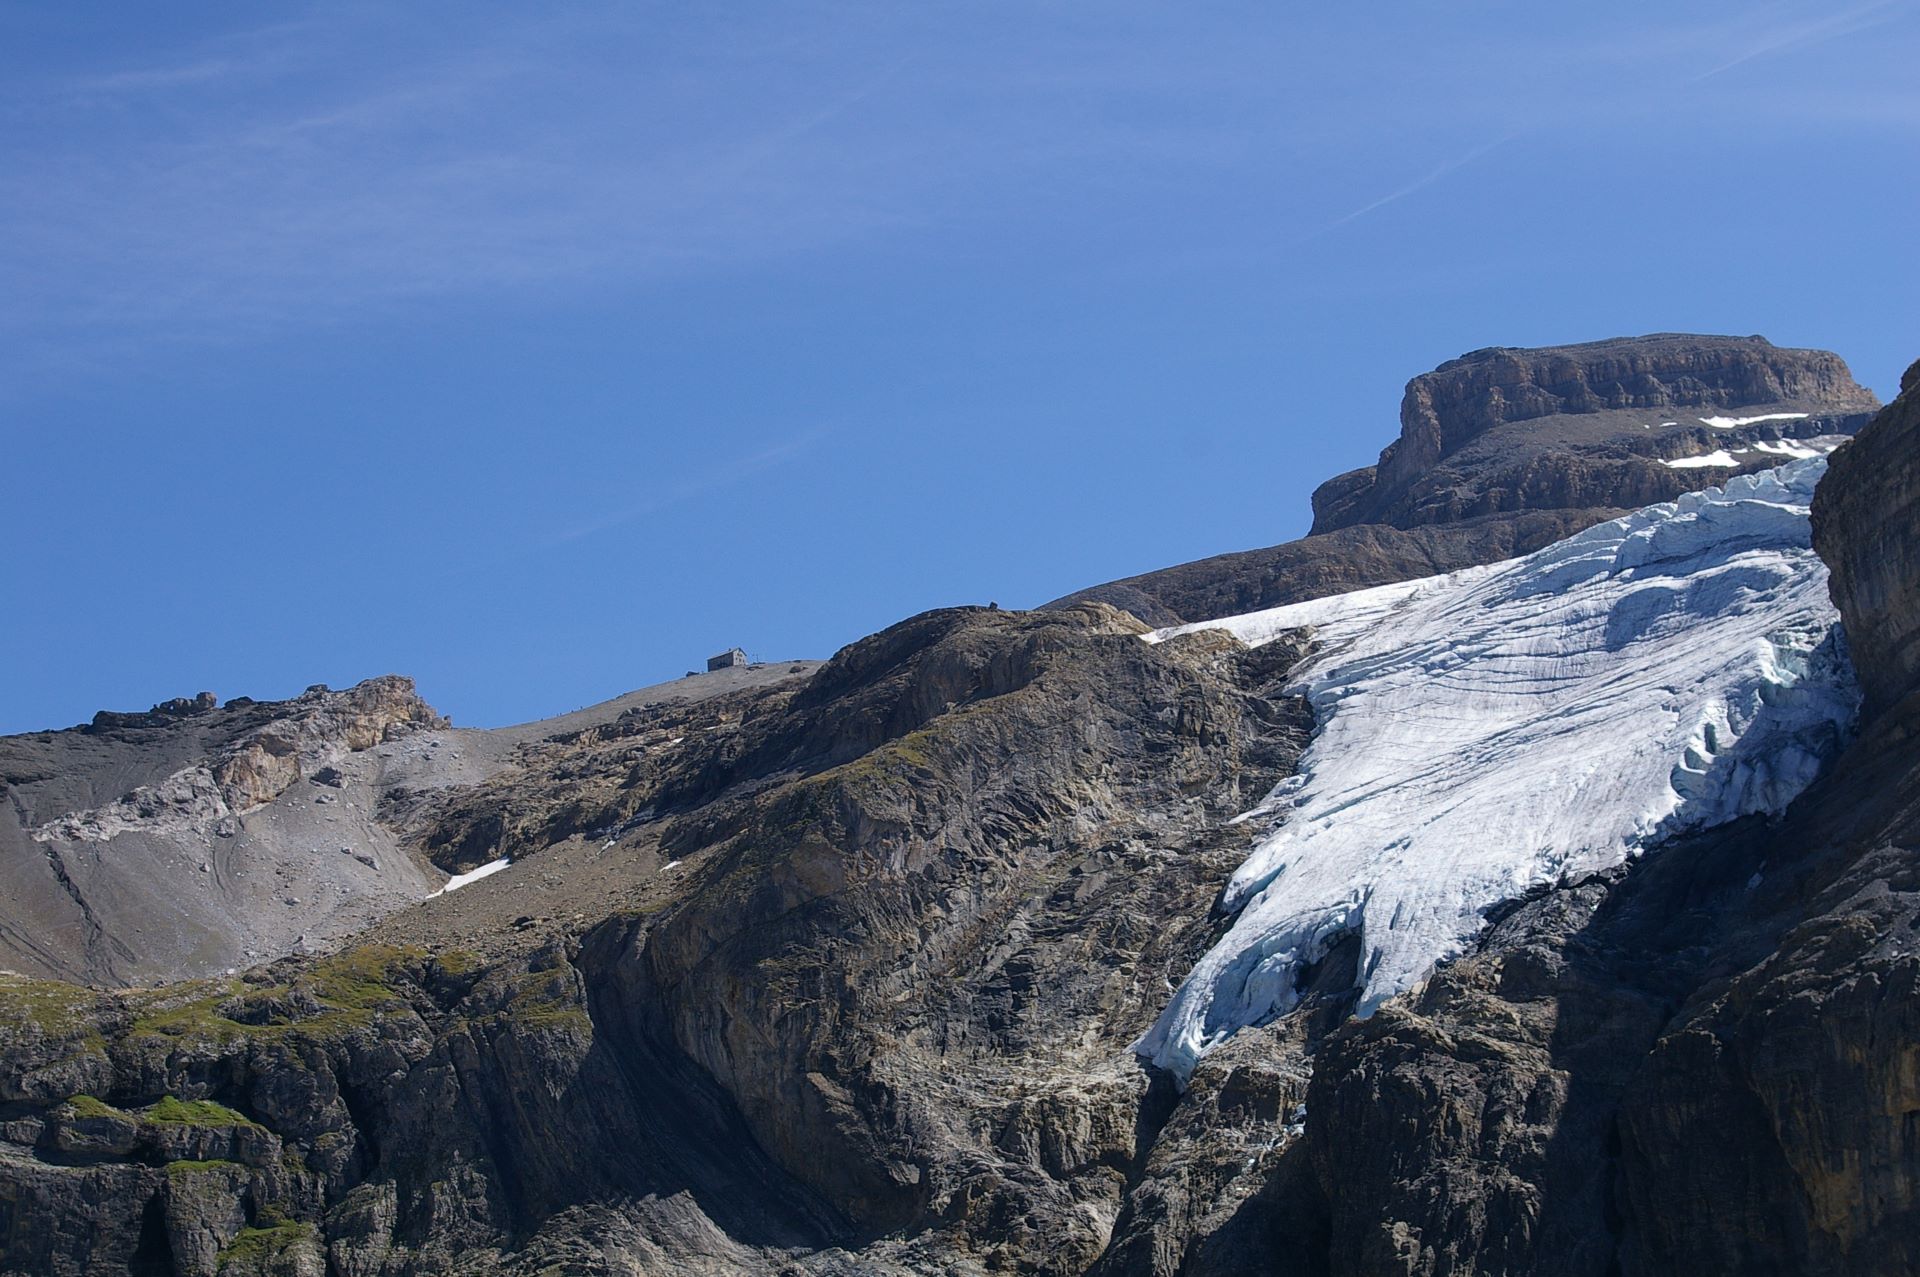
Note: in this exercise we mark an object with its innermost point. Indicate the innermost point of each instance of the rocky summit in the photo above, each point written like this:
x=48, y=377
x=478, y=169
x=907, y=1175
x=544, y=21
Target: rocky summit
x=1592, y=426
x=1503, y=451
x=1512, y=876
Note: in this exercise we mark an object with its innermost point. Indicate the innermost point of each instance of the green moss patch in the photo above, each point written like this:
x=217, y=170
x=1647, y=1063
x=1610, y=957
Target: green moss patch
x=892, y=761
x=337, y=994
x=188, y=1167
x=254, y=1245
x=361, y=980
x=540, y=999
x=180, y=1112
x=189, y=1010
x=84, y=1106
x=457, y=962
x=52, y=1008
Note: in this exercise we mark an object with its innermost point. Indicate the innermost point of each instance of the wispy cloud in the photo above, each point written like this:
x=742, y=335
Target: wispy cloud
x=1807, y=33
x=184, y=200
x=152, y=79
x=354, y=162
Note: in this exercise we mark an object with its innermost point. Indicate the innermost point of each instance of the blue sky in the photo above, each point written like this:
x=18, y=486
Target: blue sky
x=540, y=351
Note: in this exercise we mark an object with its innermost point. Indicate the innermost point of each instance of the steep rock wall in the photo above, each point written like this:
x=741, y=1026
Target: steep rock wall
x=1866, y=524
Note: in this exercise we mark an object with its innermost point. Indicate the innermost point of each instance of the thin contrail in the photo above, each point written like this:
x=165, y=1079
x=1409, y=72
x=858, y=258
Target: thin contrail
x=1418, y=184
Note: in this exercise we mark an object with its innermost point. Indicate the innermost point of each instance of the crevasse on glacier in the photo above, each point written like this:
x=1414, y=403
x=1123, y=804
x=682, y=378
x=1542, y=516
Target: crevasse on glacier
x=1492, y=730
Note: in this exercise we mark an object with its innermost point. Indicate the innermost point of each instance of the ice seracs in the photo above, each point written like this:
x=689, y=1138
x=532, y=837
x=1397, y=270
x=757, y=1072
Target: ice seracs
x=1489, y=731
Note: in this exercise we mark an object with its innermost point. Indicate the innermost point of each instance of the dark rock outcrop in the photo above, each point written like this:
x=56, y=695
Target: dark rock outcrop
x=159, y=716
x=1866, y=525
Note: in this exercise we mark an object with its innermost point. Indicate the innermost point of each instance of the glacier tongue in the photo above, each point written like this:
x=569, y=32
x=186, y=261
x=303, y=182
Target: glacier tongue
x=1492, y=730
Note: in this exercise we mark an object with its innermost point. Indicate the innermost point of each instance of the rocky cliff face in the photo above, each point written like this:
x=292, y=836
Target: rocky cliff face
x=884, y=937
x=1503, y=451
x=1866, y=524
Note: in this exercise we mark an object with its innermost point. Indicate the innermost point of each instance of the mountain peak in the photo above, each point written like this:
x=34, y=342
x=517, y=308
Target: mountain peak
x=1475, y=431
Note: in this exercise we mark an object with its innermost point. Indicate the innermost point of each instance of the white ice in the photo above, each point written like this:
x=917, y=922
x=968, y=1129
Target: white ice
x=1729, y=423
x=1788, y=448
x=1493, y=730
x=1720, y=458
x=472, y=875
x=1772, y=447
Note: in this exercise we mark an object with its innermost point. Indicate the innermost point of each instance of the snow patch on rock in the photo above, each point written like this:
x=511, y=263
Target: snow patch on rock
x=1720, y=458
x=1732, y=423
x=1819, y=447
x=1498, y=729
x=472, y=875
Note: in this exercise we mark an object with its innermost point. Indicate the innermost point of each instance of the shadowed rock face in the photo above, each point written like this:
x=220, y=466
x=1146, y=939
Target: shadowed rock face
x=1866, y=524
x=1504, y=451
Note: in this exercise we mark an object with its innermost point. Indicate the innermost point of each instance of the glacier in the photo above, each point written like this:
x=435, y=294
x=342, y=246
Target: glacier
x=1525, y=723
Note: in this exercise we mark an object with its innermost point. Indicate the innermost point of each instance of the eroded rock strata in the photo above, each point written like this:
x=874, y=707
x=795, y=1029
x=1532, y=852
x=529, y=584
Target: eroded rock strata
x=1866, y=523
x=1566, y=427
x=193, y=838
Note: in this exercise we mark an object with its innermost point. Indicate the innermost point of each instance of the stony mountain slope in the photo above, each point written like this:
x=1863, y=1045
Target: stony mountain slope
x=1866, y=523
x=1504, y=451
x=839, y=972
x=197, y=837
x=880, y=1002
